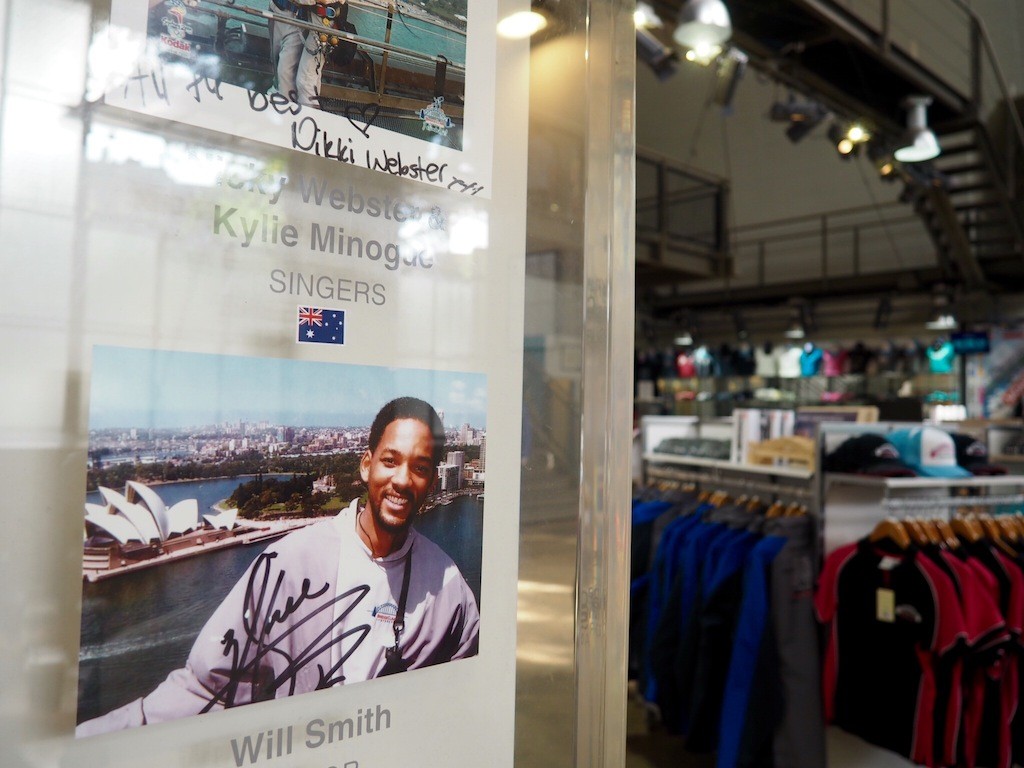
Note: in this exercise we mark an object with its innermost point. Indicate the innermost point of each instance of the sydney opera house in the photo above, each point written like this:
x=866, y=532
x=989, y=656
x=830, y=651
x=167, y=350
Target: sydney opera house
x=136, y=529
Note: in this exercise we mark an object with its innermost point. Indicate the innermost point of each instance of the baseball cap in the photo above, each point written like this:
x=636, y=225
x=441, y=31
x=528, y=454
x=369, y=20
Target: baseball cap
x=868, y=454
x=929, y=451
x=972, y=455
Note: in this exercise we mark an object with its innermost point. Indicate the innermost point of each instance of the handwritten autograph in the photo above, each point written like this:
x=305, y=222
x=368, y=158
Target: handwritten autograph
x=306, y=134
x=269, y=620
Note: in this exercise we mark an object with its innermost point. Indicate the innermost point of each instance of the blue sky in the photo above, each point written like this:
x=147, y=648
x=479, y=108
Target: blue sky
x=164, y=389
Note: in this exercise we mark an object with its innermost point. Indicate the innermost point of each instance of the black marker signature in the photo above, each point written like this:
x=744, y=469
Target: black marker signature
x=366, y=115
x=263, y=614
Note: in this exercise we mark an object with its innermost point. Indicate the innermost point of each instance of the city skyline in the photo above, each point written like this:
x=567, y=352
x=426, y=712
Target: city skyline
x=165, y=389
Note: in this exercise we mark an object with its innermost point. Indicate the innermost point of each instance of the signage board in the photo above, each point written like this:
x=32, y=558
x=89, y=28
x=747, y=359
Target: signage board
x=970, y=342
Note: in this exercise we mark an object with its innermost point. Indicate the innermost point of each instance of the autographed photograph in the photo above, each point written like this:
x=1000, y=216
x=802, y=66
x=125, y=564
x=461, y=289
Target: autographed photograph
x=256, y=528
x=393, y=66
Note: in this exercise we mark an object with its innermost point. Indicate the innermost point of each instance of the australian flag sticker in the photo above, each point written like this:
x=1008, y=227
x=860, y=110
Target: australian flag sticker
x=321, y=326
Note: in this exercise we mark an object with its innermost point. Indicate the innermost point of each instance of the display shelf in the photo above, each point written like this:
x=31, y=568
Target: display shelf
x=797, y=473
x=909, y=483
x=851, y=505
x=800, y=391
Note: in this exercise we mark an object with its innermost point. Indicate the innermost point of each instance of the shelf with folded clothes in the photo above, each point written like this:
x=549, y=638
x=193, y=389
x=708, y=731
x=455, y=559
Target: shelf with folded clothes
x=884, y=381
x=719, y=395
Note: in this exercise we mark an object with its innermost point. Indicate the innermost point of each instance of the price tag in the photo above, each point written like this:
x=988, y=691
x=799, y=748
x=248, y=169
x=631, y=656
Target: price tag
x=885, y=605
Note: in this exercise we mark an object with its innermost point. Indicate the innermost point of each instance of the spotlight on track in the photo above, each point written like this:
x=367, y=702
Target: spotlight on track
x=884, y=163
x=732, y=65
x=848, y=138
x=802, y=116
x=662, y=60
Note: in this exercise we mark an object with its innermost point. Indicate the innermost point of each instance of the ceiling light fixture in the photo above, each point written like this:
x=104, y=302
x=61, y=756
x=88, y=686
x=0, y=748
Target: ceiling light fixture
x=943, y=322
x=655, y=54
x=802, y=116
x=702, y=25
x=731, y=68
x=801, y=320
x=920, y=143
x=662, y=60
x=795, y=330
x=881, y=156
x=849, y=139
x=645, y=17
x=857, y=133
x=704, y=53
x=942, y=317
x=521, y=25
x=844, y=146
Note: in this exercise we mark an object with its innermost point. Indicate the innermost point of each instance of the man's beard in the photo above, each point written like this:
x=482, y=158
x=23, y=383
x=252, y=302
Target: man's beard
x=384, y=524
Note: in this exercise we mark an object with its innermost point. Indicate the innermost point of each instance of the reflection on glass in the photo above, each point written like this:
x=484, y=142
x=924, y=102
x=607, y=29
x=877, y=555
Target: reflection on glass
x=371, y=61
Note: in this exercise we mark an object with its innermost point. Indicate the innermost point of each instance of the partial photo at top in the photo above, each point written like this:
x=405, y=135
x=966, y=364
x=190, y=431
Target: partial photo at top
x=393, y=65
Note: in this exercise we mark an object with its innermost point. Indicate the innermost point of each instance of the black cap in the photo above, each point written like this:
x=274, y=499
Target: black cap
x=972, y=455
x=868, y=454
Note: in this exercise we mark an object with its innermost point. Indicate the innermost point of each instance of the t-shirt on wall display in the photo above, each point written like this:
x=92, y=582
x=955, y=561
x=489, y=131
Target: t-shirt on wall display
x=267, y=436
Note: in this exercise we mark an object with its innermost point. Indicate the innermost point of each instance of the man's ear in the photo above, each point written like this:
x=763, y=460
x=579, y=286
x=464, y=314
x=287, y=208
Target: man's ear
x=364, y=466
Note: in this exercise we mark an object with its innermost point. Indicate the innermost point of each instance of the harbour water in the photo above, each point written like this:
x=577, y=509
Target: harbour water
x=138, y=627
x=412, y=33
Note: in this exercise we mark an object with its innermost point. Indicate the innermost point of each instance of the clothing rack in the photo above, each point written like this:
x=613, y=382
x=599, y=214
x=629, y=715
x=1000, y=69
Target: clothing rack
x=719, y=582
x=898, y=504
x=851, y=505
x=760, y=487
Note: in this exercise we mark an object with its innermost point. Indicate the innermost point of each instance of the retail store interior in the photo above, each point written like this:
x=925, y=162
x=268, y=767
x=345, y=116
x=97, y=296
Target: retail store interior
x=830, y=259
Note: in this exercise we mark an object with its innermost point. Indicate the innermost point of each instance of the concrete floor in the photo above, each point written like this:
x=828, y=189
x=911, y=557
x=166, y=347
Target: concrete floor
x=648, y=745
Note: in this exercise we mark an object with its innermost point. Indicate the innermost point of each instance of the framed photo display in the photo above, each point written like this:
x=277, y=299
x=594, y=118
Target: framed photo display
x=267, y=440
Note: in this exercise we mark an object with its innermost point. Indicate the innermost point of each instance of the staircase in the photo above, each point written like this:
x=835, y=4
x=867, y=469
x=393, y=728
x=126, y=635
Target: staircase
x=849, y=54
x=972, y=213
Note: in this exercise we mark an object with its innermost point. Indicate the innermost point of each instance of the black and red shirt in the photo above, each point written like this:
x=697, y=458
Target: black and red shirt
x=890, y=616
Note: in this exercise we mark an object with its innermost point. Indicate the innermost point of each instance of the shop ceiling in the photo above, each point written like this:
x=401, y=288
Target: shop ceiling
x=949, y=227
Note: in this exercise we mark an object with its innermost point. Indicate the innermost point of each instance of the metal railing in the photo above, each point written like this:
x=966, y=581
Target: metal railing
x=680, y=209
x=842, y=245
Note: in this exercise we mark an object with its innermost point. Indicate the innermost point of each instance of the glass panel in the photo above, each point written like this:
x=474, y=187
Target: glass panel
x=577, y=392
x=209, y=292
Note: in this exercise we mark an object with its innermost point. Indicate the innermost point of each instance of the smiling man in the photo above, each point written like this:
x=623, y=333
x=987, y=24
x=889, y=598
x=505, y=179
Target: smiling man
x=359, y=596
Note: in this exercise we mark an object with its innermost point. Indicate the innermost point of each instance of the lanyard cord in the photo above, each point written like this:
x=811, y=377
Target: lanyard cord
x=399, y=623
